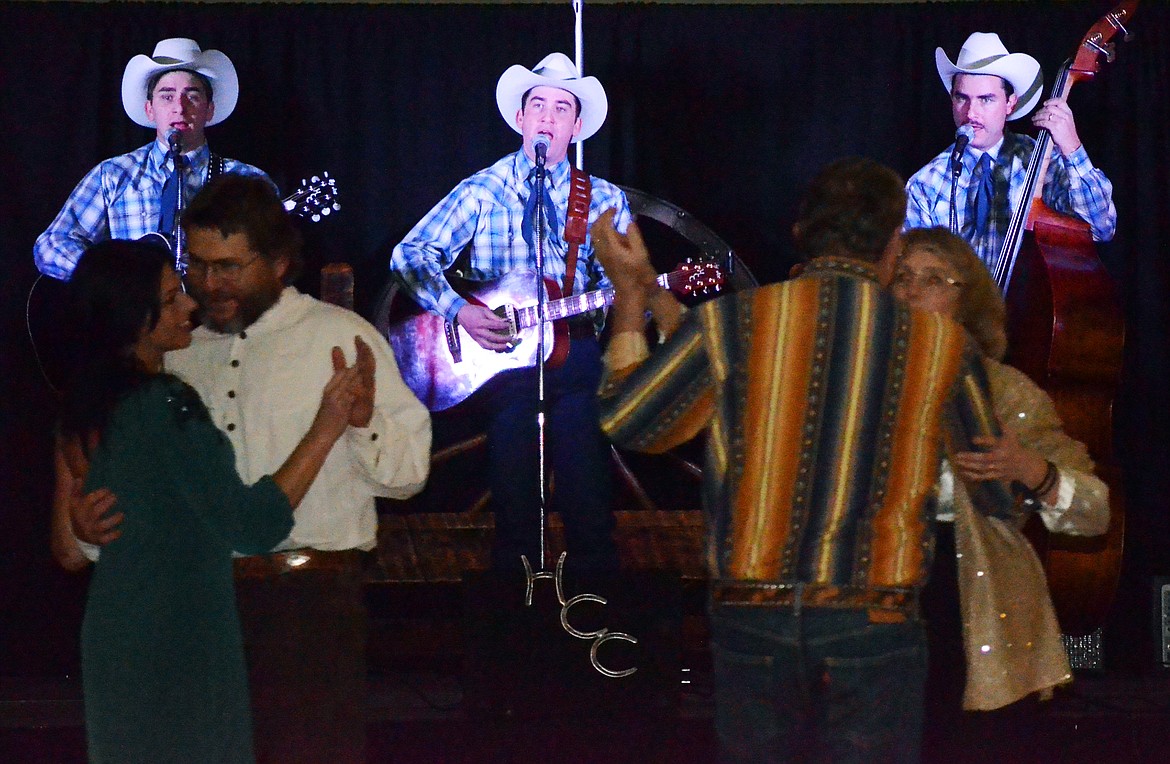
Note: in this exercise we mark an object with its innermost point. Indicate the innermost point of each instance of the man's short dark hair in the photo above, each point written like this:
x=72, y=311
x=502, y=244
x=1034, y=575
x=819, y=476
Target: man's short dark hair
x=851, y=209
x=249, y=205
x=152, y=83
x=524, y=98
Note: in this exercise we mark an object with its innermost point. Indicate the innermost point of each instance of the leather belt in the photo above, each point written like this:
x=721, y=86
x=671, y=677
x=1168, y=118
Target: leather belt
x=797, y=596
x=295, y=560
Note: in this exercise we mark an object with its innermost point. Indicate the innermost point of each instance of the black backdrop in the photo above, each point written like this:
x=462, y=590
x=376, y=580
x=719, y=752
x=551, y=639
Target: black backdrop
x=724, y=110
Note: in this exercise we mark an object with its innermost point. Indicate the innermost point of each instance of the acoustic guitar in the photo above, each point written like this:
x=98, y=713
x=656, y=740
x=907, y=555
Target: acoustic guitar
x=443, y=365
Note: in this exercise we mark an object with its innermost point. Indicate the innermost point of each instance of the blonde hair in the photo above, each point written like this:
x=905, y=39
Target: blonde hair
x=981, y=309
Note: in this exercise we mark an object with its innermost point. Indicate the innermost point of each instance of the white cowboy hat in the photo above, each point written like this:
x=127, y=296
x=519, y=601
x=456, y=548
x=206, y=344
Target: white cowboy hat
x=983, y=53
x=558, y=71
x=180, y=53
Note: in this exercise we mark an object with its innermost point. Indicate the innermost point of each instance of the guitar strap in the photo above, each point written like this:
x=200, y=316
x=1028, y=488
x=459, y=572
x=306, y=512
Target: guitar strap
x=214, y=166
x=576, y=222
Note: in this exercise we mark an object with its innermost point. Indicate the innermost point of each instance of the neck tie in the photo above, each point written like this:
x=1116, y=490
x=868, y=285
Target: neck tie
x=170, y=198
x=983, y=194
x=550, y=212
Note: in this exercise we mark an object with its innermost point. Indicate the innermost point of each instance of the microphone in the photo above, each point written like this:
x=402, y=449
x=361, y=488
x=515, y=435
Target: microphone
x=174, y=140
x=540, y=146
x=963, y=136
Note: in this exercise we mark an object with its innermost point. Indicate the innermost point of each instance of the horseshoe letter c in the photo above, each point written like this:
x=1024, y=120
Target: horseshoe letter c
x=597, y=664
x=565, y=616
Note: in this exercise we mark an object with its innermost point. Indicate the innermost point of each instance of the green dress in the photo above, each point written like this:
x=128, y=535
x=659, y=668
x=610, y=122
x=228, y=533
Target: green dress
x=162, y=656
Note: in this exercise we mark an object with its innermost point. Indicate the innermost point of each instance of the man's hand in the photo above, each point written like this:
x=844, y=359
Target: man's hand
x=87, y=515
x=635, y=282
x=485, y=327
x=624, y=257
x=363, y=387
x=1057, y=118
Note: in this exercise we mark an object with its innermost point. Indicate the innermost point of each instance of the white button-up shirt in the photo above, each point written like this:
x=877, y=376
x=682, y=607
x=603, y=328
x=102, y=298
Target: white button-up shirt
x=263, y=388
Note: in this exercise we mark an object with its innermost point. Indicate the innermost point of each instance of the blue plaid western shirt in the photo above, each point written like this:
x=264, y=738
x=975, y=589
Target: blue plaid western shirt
x=485, y=211
x=119, y=199
x=1074, y=187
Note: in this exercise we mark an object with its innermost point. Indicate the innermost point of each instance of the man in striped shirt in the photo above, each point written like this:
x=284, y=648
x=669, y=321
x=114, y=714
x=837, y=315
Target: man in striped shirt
x=826, y=406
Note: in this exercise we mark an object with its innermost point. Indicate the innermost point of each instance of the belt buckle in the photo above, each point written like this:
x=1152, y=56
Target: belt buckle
x=291, y=561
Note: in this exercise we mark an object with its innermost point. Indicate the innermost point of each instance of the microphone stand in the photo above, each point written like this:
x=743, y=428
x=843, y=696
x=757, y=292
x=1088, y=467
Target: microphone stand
x=180, y=164
x=579, y=60
x=956, y=171
x=538, y=234
x=603, y=634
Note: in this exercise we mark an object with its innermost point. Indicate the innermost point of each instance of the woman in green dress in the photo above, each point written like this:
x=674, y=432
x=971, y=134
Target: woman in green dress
x=162, y=658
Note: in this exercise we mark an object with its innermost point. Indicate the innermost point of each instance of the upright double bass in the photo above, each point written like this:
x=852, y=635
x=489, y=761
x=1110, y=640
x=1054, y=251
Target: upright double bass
x=1067, y=332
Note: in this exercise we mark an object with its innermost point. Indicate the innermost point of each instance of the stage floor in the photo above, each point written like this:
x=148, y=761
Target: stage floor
x=436, y=693
x=418, y=716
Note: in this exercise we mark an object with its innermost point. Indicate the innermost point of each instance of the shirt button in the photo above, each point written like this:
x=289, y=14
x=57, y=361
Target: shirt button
x=231, y=393
x=231, y=427
x=235, y=362
x=373, y=436
x=243, y=335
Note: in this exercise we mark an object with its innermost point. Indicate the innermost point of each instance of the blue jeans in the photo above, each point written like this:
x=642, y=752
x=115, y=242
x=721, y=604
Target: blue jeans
x=816, y=685
x=577, y=457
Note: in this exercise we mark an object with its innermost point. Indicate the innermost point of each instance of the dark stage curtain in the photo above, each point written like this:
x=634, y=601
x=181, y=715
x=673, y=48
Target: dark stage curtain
x=726, y=111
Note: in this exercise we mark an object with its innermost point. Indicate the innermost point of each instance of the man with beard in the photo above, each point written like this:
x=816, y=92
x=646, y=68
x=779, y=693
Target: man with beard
x=259, y=361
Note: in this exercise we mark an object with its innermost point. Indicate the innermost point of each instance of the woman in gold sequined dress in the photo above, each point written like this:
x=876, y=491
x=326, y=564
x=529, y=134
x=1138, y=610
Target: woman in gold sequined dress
x=995, y=640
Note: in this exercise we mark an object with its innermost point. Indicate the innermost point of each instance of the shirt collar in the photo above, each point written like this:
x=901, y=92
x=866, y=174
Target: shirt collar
x=994, y=151
x=195, y=158
x=278, y=314
x=557, y=173
x=841, y=266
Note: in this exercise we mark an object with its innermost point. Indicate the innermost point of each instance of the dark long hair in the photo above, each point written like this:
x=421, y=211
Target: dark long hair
x=113, y=297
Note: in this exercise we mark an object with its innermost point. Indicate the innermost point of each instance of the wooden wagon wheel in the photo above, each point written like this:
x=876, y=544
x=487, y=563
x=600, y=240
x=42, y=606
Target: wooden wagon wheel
x=452, y=510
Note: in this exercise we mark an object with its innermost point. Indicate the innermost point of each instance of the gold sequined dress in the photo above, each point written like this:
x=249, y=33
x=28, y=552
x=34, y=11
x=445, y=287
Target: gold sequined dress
x=1010, y=633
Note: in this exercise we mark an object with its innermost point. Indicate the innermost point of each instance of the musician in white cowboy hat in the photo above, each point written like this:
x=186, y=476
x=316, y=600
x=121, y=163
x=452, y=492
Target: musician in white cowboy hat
x=988, y=87
x=493, y=215
x=209, y=68
x=178, y=90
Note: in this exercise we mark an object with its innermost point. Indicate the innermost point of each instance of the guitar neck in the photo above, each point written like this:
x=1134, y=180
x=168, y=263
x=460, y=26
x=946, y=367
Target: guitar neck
x=567, y=307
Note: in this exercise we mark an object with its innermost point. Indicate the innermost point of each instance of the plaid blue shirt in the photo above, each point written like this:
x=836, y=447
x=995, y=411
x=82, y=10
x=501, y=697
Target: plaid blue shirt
x=486, y=211
x=1074, y=187
x=119, y=199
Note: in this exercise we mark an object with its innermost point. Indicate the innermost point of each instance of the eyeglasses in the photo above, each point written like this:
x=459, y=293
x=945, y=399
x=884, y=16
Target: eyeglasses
x=928, y=280
x=228, y=270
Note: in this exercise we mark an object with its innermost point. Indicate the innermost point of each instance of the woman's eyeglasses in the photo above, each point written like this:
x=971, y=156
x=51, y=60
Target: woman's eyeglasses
x=927, y=280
